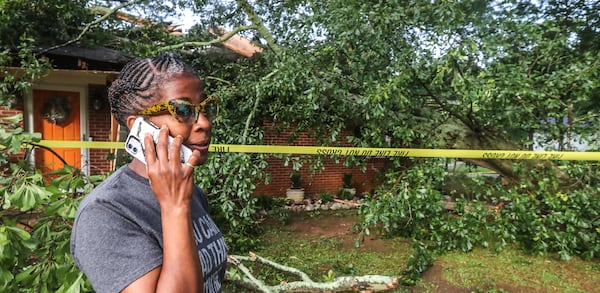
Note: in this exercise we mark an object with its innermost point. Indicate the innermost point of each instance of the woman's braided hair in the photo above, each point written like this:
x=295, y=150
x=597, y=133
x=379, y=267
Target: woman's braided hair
x=137, y=85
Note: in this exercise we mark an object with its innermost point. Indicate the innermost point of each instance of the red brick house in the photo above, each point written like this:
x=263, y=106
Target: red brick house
x=329, y=180
x=70, y=103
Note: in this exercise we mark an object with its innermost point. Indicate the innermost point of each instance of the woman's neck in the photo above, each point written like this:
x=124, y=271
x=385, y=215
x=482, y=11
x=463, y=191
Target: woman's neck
x=138, y=167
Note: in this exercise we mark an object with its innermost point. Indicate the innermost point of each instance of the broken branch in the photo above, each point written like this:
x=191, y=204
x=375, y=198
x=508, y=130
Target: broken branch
x=218, y=40
x=367, y=283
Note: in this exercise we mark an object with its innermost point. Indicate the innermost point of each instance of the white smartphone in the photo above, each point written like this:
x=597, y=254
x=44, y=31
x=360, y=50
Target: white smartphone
x=134, y=144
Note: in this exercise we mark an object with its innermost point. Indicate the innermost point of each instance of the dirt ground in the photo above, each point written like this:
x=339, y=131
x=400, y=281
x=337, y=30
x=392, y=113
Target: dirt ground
x=432, y=280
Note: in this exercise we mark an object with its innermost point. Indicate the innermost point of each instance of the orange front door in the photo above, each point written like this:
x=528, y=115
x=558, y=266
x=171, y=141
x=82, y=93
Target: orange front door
x=56, y=117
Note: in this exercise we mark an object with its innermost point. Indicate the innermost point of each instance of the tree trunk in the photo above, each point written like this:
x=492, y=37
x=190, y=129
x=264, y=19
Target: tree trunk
x=468, y=139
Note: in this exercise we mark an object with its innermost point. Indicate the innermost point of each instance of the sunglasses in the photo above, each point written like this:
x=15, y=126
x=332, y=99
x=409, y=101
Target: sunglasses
x=183, y=110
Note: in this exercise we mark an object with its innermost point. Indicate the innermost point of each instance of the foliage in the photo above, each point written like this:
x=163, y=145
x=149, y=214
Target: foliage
x=229, y=183
x=551, y=220
x=36, y=219
x=344, y=193
x=418, y=263
x=404, y=205
x=32, y=68
x=46, y=22
x=296, y=180
x=274, y=208
x=543, y=219
x=37, y=209
x=12, y=136
x=347, y=180
x=326, y=197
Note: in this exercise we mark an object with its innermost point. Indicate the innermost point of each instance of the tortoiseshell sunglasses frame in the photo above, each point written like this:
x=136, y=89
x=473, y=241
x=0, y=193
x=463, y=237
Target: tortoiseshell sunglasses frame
x=167, y=106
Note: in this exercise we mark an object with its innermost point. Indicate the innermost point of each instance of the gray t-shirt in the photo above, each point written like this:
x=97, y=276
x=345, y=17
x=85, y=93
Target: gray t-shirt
x=117, y=234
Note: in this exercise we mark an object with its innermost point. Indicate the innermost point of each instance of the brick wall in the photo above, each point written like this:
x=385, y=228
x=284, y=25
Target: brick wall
x=99, y=128
x=7, y=112
x=327, y=180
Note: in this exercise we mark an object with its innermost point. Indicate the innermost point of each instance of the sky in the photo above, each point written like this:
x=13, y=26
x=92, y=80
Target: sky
x=186, y=21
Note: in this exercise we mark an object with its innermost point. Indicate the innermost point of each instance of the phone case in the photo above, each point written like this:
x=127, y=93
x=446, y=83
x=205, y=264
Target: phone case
x=134, y=144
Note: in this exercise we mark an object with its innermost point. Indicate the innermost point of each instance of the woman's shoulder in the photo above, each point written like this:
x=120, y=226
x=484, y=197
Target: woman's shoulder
x=118, y=189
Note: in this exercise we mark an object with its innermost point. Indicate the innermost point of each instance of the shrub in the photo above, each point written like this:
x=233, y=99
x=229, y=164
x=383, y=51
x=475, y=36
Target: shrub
x=537, y=213
x=296, y=180
x=347, y=180
x=229, y=183
x=326, y=197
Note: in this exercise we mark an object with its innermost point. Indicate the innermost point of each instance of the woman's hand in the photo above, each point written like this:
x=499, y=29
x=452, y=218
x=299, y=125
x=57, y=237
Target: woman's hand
x=171, y=180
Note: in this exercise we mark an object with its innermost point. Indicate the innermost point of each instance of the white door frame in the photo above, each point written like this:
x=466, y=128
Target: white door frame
x=83, y=119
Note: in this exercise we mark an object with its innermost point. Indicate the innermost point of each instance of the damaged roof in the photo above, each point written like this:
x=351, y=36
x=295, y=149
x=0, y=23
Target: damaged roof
x=94, y=58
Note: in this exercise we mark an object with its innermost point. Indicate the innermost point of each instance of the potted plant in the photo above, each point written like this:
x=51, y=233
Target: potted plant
x=295, y=192
x=347, y=191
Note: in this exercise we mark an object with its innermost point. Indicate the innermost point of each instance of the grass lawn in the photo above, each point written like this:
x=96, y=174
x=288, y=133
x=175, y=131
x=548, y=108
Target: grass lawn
x=323, y=245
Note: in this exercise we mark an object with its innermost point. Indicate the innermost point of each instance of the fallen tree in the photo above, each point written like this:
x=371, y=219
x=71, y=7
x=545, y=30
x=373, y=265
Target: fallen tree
x=367, y=283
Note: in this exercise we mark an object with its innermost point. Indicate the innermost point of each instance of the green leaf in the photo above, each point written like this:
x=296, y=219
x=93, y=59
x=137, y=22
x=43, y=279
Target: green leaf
x=75, y=287
x=21, y=233
x=27, y=196
x=13, y=119
x=6, y=278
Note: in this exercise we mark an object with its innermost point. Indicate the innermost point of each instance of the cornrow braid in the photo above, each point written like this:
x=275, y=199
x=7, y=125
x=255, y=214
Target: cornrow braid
x=138, y=83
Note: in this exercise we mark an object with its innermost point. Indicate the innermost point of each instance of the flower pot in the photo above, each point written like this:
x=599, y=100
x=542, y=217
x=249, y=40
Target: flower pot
x=295, y=194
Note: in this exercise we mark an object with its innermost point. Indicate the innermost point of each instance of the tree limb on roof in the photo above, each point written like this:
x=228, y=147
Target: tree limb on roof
x=230, y=40
x=234, y=42
x=140, y=21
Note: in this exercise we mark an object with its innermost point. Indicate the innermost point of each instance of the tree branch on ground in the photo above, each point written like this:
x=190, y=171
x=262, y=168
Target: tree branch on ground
x=367, y=283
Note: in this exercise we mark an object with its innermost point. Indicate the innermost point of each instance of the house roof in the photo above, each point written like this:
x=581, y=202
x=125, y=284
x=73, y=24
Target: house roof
x=97, y=53
x=93, y=58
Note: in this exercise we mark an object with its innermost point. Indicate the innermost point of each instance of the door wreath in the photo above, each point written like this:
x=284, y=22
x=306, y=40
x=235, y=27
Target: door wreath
x=56, y=110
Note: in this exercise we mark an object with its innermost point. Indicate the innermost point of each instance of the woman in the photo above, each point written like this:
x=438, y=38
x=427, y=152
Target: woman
x=146, y=228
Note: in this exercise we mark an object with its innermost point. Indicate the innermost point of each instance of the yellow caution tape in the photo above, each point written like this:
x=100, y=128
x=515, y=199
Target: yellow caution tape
x=352, y=151
x=75, y=144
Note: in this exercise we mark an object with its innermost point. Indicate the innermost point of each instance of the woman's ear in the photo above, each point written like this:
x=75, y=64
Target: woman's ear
x=130, y=120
